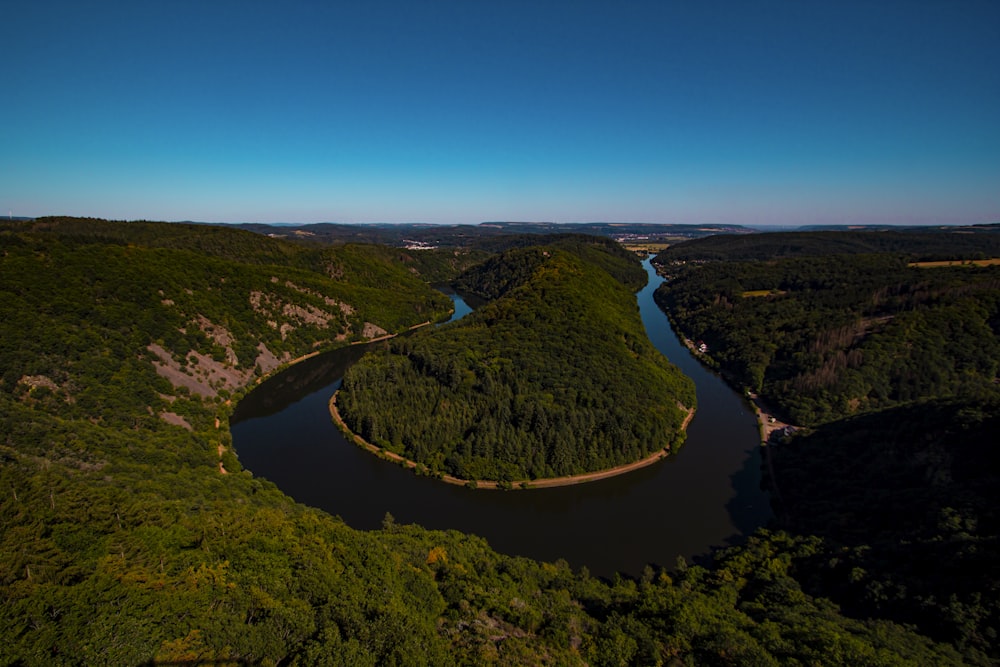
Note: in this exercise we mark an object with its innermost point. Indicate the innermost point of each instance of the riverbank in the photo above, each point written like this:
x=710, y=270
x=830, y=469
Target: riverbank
x=769, y=426
x=285, y=365
x=389, y=336
x=547, y=482
x=768, y=423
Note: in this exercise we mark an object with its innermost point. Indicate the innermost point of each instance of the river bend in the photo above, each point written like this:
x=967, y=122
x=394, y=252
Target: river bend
x=707, y=495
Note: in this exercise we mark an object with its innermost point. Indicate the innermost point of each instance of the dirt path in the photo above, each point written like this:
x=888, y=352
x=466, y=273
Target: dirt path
x=221, y=450
x=390, y=336
x=544, y=483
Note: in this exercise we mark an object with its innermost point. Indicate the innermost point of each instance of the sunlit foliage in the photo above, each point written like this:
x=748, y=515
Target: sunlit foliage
x=122, y=542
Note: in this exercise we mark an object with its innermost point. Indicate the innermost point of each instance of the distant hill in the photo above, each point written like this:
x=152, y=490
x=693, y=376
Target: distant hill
x=970, y=242
x=487, y=235
x=484, y=235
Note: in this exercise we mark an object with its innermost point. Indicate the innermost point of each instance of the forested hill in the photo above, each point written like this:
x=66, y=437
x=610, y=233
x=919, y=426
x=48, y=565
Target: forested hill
x=554, y=377
x=361, y=264
x=971, y=242
x=827, y=336
x=123, y=541
x=891, y=359
x=186, y=319
x=908, y=503
x=506, y=270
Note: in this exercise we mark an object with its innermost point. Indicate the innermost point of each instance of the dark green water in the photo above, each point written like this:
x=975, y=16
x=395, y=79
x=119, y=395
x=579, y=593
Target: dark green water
x=707, y=495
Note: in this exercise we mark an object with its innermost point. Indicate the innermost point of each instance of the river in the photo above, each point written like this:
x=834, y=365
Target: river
x=707, y=495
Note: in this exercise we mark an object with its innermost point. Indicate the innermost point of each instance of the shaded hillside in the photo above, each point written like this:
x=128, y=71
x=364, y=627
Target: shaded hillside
x=909, y=502
x=554, y=377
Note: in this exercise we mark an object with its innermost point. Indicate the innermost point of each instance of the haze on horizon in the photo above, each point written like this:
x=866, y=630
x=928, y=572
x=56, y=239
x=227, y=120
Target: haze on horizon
x=774, y=112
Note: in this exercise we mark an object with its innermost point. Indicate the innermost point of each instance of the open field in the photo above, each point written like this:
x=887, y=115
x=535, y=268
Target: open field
x=763, y=292
x=650, y=247
x=957, y=262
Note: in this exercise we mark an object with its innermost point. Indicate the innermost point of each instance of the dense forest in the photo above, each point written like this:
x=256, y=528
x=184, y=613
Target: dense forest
x=891, y=359
x=124, y=541
x=908, y=502
x=971, y=242
x=824, y=337
x=553, y=377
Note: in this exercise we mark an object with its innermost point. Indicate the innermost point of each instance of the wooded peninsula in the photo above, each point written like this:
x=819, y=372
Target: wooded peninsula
x=553, y=377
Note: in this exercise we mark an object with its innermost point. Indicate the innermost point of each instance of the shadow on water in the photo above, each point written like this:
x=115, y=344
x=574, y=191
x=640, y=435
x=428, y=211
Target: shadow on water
x=749, y=504
x=707, y=495
x=280, y=391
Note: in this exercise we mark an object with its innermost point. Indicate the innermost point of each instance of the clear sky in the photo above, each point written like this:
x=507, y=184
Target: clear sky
x=747, y=112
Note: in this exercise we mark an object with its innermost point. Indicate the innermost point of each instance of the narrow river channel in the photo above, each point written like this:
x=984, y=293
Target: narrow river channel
x=705, y=496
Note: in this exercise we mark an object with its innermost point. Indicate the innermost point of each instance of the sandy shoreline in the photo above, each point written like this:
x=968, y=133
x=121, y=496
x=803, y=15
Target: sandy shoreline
x=547, y=482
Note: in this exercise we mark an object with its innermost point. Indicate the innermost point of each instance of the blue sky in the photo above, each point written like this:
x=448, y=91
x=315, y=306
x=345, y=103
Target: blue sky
x=749, y=112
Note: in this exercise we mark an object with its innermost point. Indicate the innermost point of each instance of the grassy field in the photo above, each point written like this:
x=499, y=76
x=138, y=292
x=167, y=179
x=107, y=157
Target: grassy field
x=763, y=292
x=647, y=247
x=957, y=262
